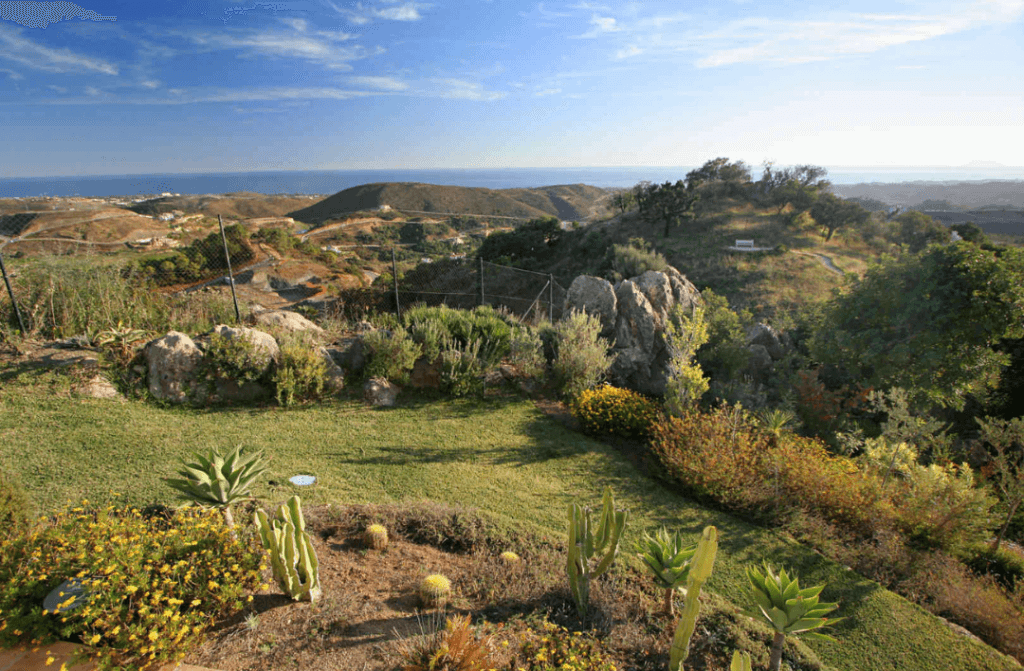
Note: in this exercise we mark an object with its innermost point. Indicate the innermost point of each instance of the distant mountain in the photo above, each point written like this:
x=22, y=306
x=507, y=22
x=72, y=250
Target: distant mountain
x=575, y=202
x=967, y=195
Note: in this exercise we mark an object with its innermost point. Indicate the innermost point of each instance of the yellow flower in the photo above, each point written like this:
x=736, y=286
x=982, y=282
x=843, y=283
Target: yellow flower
x=50, y=660
x=95, y=639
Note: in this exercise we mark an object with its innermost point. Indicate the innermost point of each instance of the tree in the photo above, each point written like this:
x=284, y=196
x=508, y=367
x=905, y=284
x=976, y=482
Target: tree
x=917, y=230
x=668, y=203
x=832, y=213
x=930, y=323
x=531, y=240
x=1007, y=439
x=718, y=178
x=970, y=232
x=624, y=200
x=798, y=186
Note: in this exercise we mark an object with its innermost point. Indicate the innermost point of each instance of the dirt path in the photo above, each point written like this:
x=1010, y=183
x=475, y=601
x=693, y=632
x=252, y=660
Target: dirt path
x=824, y=260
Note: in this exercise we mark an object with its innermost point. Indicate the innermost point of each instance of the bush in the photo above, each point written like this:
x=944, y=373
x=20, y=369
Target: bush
x=1004, y=565
x=153, y=584
x=635, y=258
x=483, y=324
x=300, y=374
x=581, y=357
x=526, y=352
x=15, y=509
x=609, y=410
x=234, y=359
x=942, y=508
x=461, y=369
x=390, y=355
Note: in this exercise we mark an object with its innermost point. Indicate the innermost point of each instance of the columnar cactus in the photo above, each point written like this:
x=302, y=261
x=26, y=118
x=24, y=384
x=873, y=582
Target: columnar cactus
x=291, y=551
x=668, y=560
x=700, y=571
x=435, y=590
x=376, y=537
x=588, y=542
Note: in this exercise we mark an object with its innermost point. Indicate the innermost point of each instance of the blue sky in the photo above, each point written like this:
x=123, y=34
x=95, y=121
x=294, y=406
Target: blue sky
x=214, y=85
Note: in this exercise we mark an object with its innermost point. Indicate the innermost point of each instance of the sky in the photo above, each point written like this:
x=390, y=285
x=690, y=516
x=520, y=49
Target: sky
x=106, y=87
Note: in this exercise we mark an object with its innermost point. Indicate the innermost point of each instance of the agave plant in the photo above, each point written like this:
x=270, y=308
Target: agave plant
x=668, y=560
x=218, y=480
x=786, y=608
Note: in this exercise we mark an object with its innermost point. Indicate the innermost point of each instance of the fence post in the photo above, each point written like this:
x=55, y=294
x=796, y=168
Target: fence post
x=231, y=276
x=10, y=293
x=481, y=280
x=551, y=298
x=394, y=277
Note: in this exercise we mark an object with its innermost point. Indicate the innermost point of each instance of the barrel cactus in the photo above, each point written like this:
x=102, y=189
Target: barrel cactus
x=509, y=558
x=435, y=590
x=376, y=537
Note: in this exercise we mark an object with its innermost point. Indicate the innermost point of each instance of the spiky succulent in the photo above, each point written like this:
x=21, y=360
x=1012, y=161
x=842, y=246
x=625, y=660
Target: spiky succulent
x=435, y=590
x=668, y=561
x=786, y=608
x=219, y=480
x=376, y=537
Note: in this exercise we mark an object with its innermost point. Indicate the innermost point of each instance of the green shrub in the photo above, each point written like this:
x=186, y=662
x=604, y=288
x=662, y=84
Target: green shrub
x=608, y=410
x=153, y=585
x=201, y=259
x=15, y=509
x=581, y=357
x=461, y=369
x=526, y=352
x=941, y=507
x=635, y=258
x=236, y=359
x=390, y=355
x=430, y=335
x=299, y=375
x=1004, y=565
x=483, y=324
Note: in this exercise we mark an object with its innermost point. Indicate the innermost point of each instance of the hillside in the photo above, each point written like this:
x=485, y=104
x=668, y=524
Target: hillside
x=968, y=195
x=574, y=202
x=229, y=206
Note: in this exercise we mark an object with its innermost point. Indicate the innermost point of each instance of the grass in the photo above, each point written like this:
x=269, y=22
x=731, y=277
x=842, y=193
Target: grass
x=503, y=457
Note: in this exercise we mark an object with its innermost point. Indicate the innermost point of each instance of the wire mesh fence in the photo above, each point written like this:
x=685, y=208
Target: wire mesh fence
x=235, y=257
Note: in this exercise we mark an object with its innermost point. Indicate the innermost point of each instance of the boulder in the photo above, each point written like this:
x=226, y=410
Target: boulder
x=350, y=355
x=641, y=350
x=379, y=392
x=767, y=337
x=425, y=374
x=760, y=360
x=287, y=320
x=596, y=297
x=334, y=378
x=172, y=362
x=683, y=290
x=266, y=347
x=657, y=289
x=97, y=386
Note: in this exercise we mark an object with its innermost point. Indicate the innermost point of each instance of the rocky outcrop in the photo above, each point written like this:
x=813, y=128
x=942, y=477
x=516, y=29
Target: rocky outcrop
x=267, y=350
x=285, y=320
x=596, y=297
x=379, y=392
x=172, y=361
x=637, y=310
x=767, y=337
x=265, y=354
x=334, y=377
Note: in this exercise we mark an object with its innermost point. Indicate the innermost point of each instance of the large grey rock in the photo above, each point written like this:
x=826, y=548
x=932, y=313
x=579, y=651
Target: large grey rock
x=596, y=297
x=683, y=290
x=267, y=351
x=767, y=337
x=287, y=320
x=172, y=362
x=657, y=289
x=379, y=392
x=350, y=355
x=641, y=351
x=335, y=376
x=760, y=359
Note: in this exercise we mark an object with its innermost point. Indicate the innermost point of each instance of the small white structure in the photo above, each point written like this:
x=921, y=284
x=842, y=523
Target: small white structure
x=749, y=244
x=384, y=208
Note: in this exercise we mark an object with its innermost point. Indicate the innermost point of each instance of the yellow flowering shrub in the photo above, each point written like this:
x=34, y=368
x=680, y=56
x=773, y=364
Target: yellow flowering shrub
x=153, y=583
x=551, y=647
x=608, y=410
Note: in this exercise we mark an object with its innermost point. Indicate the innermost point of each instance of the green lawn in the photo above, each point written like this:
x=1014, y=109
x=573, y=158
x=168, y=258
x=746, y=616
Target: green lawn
x=506, y=458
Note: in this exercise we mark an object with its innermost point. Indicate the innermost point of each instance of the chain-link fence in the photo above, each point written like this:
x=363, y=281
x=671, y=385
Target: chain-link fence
x=249, y=262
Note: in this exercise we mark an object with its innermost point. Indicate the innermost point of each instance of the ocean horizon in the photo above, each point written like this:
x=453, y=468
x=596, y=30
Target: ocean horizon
x=326, y=182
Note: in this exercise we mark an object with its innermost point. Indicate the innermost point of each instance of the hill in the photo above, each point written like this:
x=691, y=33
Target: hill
x=229, y=206
x=574, y=202
x=967, y=195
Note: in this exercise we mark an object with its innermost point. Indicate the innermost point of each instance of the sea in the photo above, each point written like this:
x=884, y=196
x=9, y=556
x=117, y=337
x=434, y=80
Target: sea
x=326, y=182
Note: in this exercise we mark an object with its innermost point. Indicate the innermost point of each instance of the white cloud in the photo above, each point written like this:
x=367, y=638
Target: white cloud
x=379, y=83
x=12, y=74
x=92, y=90
x=463, y=90
x=296, y=24
x=150, y=84
x=58, y=89
x=547, y=92
x=390, y=10
x=306, y=46
x=631, y=50
x=16, y=48
x=771, y=40
x=601, y=25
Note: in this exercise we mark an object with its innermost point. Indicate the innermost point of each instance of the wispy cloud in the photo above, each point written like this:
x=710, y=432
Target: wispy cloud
x=463, y=90
x=628, y=52
x=390, y=10
x=21, y=50
x=601, y=25
x=776, y=41
x=379, y=83
x=318, y=48
x=12, y=74
x=547, y=92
